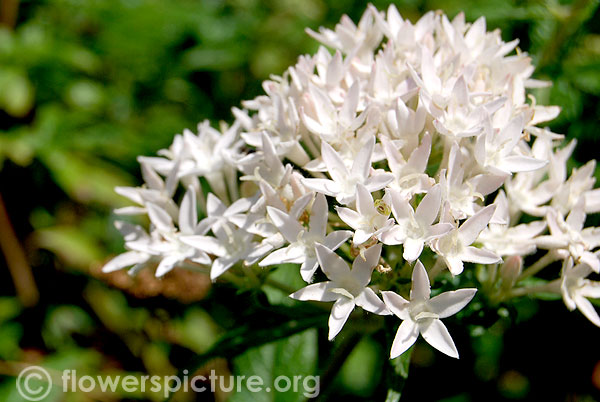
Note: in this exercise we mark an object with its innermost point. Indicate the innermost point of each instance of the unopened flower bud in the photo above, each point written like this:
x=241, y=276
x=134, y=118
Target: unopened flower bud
x=510, y=270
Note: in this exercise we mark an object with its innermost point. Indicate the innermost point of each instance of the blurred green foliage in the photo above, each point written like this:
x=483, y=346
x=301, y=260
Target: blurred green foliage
x=86, y=86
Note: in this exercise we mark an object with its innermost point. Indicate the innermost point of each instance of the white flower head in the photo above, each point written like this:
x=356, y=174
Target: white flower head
x=422, y=314
x=346, y=287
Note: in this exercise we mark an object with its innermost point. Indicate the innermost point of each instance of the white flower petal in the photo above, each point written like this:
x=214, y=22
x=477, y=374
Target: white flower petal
x=339, y=315
x=289, y=228
x=166, y=265
x=449, y=303
x=406, y=336
x=420, y=290
x=325, y=186
x=126, y=259
x=437, y=335
x=332, y=265
x=412, y=249
x=362, y=161
x=369, y=301
x=428, y=209
x=479, y=255
x=397, y=304
x=317, y=292
x=362, y=269
x=336, y=238
x=159, y=218
x=188, y=213
x=470, y=229
x=318, y=216
x=587, y=308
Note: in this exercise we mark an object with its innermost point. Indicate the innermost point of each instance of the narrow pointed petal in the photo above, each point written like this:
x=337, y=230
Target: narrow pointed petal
x=455, y=265
x=369, y=301
x=470, y=229
x=412, y=249
x=420, y=290
x=332, y=265
x=479, y=255
x=318, y=216
x=436, y=334
x=339, y=315
x=220, y=265
x=361, y=236
x=335, y=164
x=449, y=303
x=214, y=206
x=349, y=216
x=428, y=209
x=208, y=244
x=518, y=163
x=166, y=265
x=378, y=181
x=364, y=201
x=362, y=163
x=336, y=239
x=289, y=228
x=405, y=337
x=159, y=218
x=576, y=218
x=308, y=269
x=362, y=269
x=588, y=310
x=317, y=292
x=125, y=260
x=282, y=256
x=397, y=304
x=325, y=186
x=188, y=213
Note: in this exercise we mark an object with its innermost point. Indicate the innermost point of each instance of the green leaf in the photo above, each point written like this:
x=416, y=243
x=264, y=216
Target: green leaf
x=72, y=244
x=294, y=359
x=86, y=178
x=263, y=326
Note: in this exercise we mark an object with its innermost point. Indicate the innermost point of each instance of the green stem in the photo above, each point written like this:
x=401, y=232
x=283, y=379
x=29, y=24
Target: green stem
x=540, y=264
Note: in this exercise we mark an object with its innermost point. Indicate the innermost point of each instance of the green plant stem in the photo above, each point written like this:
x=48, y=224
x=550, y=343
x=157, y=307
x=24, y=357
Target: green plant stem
x=518, y=292
x=19, y=268
x=540, y=264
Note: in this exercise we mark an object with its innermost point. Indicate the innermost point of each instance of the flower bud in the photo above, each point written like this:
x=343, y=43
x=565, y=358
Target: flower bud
x=510, y=270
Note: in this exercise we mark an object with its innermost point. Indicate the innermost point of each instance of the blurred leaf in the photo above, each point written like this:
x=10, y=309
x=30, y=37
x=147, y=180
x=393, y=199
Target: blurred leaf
x=362, y=369
x=114, y=312
x=16, y=92
x=10, y=337
x=10, y=307
x=72, y=244
x=197, y=330
x=293, y=357
x=85, y=178
x=64, y=321
x=289, y=274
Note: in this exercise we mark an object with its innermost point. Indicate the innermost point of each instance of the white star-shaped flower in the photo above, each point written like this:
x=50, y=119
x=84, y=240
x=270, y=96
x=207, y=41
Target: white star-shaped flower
x=343, y=182
x=455, y=247
x=303, y=242
x=347, y=288
x=422, y=315
x=368, y=220
x=414, y=228
x=575, y=289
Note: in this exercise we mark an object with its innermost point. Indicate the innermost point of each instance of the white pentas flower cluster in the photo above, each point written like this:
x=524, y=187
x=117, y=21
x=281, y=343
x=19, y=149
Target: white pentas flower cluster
x=397, y=147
